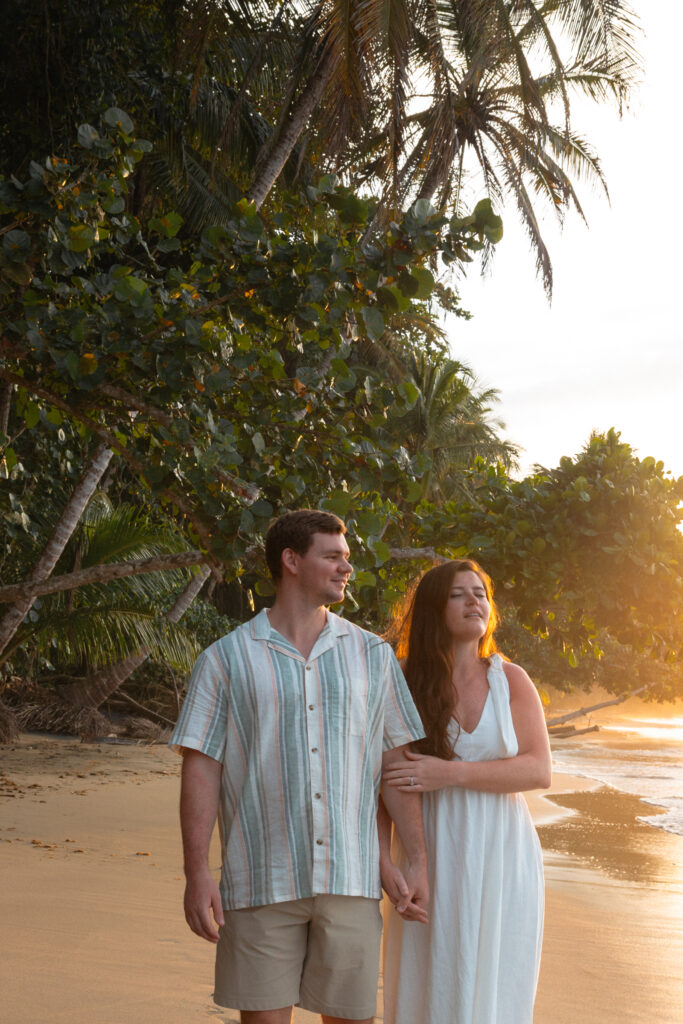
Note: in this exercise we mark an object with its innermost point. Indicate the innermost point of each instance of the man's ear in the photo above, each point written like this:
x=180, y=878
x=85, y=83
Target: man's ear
x=290, y=561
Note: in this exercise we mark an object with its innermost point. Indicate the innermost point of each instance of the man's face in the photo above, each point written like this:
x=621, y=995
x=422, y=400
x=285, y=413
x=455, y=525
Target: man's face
x=324, y=570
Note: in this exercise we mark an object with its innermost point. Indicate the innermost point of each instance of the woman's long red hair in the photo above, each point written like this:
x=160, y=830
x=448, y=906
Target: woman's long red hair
x=425, y=647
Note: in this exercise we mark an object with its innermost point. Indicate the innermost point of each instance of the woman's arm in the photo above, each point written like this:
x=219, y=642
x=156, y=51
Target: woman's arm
x=529, y=769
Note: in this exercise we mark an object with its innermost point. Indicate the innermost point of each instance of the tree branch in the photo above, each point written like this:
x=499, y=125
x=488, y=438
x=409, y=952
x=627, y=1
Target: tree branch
x=102, y=574
x=560, y=719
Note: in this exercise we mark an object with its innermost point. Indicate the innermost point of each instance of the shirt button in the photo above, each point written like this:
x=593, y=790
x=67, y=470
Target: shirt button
x=317, y=796
x=308, y=668
x=314, y=750
x=319, y=842
x=310, y=707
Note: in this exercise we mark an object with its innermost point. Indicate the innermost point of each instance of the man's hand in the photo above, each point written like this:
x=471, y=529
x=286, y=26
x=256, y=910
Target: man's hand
x=393, y=882
x=409, y=902
x=417, y=882
x=202, y=898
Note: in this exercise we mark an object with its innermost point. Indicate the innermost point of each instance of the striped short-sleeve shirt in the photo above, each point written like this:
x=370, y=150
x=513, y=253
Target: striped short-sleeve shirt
x=300, y=741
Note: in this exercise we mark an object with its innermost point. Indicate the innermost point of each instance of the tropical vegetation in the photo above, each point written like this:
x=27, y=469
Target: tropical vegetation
x=177, y=366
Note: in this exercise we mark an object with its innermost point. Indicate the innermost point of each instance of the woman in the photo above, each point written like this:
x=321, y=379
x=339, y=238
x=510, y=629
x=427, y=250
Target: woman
x=477, y=960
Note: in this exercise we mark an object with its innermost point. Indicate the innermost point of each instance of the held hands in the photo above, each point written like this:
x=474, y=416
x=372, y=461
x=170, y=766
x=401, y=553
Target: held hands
x=426, y=772
x=409, y=900
x=202, y=897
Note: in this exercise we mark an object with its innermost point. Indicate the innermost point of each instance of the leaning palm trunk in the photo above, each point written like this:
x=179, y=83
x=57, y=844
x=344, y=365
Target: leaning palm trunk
x=286, y=138
x=93, y=691
x=66, y=525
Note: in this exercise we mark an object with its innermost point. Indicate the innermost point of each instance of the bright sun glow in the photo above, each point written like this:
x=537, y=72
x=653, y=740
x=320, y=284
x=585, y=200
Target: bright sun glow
x=667, y=729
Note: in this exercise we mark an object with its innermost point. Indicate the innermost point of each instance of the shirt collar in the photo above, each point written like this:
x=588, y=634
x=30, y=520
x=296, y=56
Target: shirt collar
x=334, y=628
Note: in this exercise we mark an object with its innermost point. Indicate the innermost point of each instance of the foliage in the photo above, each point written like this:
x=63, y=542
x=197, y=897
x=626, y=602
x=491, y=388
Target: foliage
x=401, y=98
x=592, y=547
x=74, y=633
x=226, y=373
x=213, y=368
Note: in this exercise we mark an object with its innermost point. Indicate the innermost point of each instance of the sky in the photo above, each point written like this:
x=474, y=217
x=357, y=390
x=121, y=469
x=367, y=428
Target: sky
x=608, y=351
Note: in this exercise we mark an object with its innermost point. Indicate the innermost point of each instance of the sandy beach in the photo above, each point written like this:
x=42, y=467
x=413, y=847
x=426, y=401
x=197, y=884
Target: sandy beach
x=92, y=929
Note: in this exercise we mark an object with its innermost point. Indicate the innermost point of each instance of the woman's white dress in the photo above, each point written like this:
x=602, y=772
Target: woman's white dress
x=477, y=960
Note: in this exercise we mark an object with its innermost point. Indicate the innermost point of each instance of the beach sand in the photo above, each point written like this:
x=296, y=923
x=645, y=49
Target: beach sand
x=92, y=929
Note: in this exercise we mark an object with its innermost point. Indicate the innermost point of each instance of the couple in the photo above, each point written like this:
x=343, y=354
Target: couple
x=289, y=726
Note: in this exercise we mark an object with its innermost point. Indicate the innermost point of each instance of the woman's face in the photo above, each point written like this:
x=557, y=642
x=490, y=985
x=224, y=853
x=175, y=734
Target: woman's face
x=467, y=610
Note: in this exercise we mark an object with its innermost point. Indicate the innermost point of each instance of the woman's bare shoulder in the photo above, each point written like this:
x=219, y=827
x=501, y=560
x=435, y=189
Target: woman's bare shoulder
x=518, y=679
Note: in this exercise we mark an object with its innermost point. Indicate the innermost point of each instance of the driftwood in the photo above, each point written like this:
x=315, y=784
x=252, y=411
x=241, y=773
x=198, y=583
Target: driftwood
x=561, y=719
x=563, y=731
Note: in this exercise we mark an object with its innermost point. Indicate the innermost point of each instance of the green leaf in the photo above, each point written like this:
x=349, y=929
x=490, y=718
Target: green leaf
x=487, y=221
x=425, y=282
x=10, y=460
x=374, y=322
x=87, y=135
x=16, y=245
x=169, y=225
x=339, y=503
x=264, y=588
x=114, y=205
x=73, y=365
x=353, y=210
x=118, y=118
x=81, y=237
x=380, y=550
x=363, y=578
x=130, y=288
x=409, y=392
x=422, y=210
x=31, y=414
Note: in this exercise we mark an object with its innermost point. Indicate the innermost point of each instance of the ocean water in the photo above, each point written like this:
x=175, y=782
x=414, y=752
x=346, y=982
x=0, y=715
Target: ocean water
x=639, y=755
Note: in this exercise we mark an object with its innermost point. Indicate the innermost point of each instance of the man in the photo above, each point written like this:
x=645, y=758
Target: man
x=282, y=733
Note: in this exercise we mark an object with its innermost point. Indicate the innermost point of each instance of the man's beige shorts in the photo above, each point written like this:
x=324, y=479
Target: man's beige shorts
x=321, y=953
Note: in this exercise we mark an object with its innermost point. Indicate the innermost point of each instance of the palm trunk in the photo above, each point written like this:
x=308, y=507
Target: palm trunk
x=66, y=525
x=93, y=691
x=285, y=140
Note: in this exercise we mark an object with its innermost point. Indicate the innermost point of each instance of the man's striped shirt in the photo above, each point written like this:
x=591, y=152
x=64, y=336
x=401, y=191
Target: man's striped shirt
x=301, y=742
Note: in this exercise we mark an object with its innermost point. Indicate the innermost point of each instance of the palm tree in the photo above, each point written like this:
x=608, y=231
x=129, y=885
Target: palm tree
x=57, y=541
x=494, y=81
x=99, y=624
x=452, y=423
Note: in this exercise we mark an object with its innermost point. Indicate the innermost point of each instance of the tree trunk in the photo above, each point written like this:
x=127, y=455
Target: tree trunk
x=66, y=525
x=5, y=403
x=561, y=719
x=93, y=691
x=282, y=145
x=102, y=574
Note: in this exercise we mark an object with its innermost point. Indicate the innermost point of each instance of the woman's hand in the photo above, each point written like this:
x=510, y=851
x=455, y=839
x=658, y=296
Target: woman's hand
x=419, y=773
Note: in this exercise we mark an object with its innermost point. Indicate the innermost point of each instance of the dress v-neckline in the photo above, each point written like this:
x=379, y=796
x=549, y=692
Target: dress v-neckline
x=471, y=732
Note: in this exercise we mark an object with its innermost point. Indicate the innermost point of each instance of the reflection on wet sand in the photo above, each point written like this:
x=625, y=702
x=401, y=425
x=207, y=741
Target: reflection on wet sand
x=606, y=835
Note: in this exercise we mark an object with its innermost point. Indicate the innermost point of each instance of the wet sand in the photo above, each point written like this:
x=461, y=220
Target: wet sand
x=92, y=929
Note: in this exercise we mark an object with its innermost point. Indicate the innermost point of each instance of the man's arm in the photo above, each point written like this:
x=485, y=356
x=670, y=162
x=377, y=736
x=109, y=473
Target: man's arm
x=406, y=814
x=199, y=792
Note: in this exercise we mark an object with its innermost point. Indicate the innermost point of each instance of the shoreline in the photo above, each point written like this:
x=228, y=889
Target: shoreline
x=92, y=896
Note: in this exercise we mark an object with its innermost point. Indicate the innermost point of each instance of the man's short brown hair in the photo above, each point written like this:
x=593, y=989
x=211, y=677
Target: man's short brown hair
x=295, y=530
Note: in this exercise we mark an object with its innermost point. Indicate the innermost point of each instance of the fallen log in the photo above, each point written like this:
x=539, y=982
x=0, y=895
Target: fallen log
x=561, y=719
x=564, y=731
